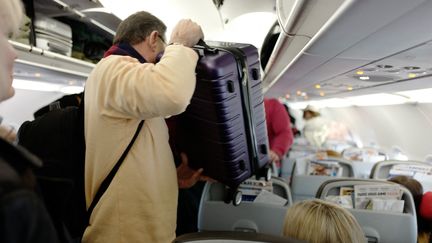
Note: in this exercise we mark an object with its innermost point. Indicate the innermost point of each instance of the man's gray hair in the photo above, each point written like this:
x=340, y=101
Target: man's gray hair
x=137, y=27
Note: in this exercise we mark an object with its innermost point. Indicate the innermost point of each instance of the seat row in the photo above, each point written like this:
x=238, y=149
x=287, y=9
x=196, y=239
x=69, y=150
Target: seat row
x=260, y=218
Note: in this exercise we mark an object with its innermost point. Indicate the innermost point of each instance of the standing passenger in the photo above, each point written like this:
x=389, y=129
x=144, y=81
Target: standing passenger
x=128, y=86
x=278, y=129
x=23, y=217
x=316, y=128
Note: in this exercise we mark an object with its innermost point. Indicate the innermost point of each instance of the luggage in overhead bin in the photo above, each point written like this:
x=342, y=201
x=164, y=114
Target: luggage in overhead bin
x=223, y=130
x=53, y=35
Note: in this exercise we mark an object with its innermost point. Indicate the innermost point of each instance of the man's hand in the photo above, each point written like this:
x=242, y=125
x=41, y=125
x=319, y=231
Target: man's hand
x=187, y=33
x=186, y=176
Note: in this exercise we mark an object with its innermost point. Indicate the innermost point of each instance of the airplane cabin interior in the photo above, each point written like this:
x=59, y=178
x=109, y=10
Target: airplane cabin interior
x=364, y=65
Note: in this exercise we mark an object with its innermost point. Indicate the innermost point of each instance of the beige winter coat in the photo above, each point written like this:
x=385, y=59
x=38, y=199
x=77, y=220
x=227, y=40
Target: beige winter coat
x=141, y=202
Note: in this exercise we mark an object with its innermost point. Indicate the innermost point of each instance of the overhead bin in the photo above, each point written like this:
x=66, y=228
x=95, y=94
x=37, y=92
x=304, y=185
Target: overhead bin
x=300, y=21
x=327, y=42
x=42, y=60
x=89, y=17
x=90, y=11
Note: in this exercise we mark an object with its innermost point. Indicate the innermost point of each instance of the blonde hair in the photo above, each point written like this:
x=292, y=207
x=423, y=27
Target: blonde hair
x=318, y=221
x=11, y=14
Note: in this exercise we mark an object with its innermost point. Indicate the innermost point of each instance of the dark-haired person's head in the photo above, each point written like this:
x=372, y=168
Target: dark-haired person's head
x=145, y=32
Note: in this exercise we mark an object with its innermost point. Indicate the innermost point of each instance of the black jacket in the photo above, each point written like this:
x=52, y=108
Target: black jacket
x=23, y=217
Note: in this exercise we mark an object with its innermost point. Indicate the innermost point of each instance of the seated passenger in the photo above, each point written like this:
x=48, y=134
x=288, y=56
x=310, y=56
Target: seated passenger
x=23, y=216
x=318, y=221
x=416, y=190
x=426, y=215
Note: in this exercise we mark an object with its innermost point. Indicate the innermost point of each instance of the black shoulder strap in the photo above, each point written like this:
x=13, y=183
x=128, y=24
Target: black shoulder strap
x=105, y=184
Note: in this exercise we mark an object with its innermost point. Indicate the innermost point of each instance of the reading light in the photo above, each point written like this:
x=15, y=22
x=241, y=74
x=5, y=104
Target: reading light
x=317, y=86
x=360, y=72
x=364, y=77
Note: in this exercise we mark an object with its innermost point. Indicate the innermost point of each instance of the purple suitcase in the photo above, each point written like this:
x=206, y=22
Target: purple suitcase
x=223, y=130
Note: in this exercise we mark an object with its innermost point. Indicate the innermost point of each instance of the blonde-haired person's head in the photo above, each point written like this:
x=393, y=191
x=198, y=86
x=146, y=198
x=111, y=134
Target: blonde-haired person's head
x=318, y=221
x=11, y=14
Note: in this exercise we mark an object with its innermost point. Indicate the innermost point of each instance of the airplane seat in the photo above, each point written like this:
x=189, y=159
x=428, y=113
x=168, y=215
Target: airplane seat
x=364, y=159
x=381, y=170
x=304, y=186
x=232, y=237
x=372, y=154
x=250, y=216
x=338, y=146
x=379, y=226
x=281, y=188
x=296, y=151
x=418, y=170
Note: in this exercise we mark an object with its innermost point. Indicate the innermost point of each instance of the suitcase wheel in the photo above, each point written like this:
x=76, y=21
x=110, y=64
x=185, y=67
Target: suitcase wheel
x=234, y=196
x=237, y=198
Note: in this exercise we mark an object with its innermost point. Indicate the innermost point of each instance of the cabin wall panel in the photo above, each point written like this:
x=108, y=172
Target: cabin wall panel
x=408, y=126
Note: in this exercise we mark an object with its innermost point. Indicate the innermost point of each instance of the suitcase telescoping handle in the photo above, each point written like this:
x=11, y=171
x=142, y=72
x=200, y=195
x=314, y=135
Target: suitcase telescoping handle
x=201, y=45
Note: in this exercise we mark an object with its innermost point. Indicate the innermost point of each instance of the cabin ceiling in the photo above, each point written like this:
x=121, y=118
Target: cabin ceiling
x=224, y=23
x=368, y=47
x=410, y=69
x=229, y=22
x=332, y=48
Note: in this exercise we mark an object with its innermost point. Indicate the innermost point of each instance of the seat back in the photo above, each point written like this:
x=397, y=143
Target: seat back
x=338, y=146
x=365, y=154
x=232, y=237
x=261, y=217
x=305, y=186
x=364, y=159
x=420, y=171
x=379, y=226
x=295, y=152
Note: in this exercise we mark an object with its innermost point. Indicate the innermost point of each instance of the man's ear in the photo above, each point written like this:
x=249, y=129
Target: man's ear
x=153, y=40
